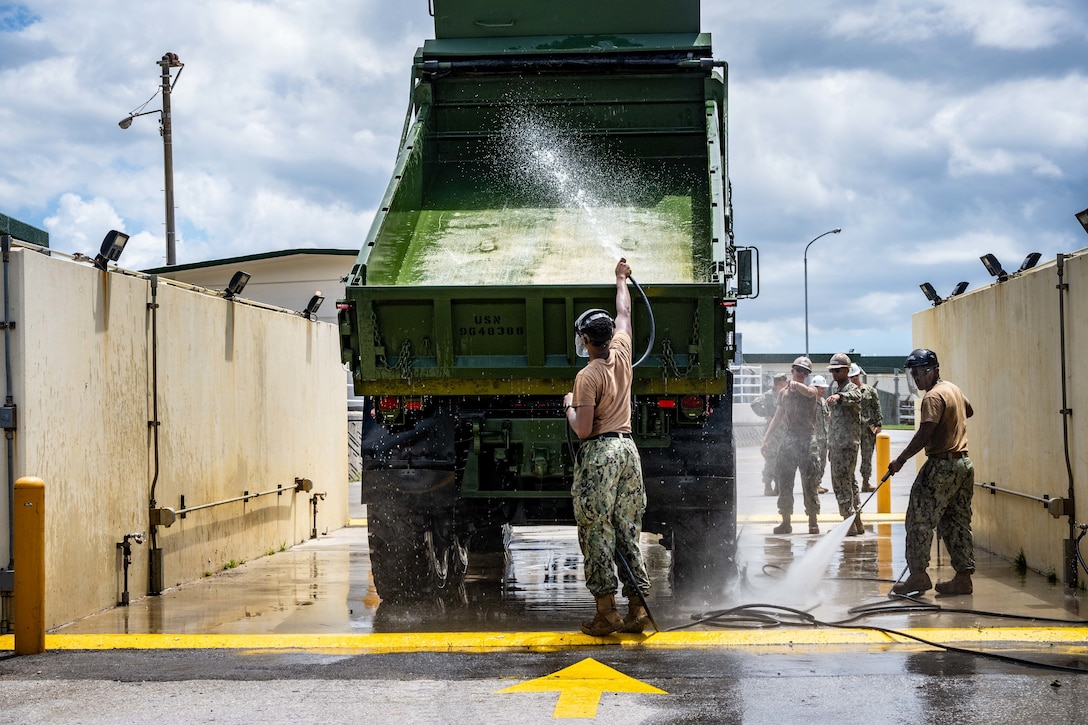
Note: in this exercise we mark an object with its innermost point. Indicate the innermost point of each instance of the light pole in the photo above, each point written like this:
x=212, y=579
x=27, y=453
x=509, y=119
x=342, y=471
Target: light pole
x=832, y=231
x=168, y=61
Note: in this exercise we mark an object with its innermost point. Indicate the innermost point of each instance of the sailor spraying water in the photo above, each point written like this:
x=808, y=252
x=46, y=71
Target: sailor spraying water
x=941, y=495
x=609, y=495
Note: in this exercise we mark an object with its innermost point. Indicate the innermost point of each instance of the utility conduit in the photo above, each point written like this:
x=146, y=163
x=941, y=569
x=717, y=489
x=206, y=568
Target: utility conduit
x=1056, y=506
x=166, y=516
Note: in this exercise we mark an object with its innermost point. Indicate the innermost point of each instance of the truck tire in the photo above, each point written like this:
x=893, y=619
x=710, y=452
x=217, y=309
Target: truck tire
x=703, y=555
x=410, y=558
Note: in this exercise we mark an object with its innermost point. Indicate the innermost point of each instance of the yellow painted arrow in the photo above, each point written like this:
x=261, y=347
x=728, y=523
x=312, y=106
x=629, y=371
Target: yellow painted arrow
x=580, y=687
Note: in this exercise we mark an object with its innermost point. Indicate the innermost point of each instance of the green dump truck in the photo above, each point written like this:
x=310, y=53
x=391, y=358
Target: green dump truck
x=543, y=142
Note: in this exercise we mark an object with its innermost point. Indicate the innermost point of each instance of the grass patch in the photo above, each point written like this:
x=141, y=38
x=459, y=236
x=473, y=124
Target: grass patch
x=1021, y=562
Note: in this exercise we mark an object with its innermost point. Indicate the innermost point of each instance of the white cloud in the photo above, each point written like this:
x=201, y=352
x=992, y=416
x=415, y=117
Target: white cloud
x=931, y=131
x=1002, y=24
x=79, y=224
x=1027, y=125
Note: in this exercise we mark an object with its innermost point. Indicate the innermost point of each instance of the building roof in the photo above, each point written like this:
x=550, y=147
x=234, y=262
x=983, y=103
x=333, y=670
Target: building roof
x=249, y=258
x=872, y=364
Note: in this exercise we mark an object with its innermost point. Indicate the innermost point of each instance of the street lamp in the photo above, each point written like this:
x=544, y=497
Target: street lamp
x=168, y=61
x=833, y=231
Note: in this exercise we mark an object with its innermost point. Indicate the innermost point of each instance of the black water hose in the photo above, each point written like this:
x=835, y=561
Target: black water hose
x=1076, y=548
x=653, y=325
x=763, y=616
x=641, y=596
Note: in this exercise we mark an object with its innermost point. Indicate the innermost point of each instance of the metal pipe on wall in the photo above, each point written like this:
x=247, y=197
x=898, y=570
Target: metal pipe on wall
x=154, y=553
x=9, y=402
x=7, y=575
x=1071, y=574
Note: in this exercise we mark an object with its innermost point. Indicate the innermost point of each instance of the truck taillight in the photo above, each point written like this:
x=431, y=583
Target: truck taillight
x=667, y=403
x=413, y=404
x=693, y=405
x=388, y=402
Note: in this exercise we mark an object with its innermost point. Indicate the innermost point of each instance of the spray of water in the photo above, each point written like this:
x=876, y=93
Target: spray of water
x=552, y=205
x=799, y=588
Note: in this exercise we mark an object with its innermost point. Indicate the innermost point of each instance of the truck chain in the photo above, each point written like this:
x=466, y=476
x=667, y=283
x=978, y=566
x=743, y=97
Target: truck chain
x=404, y=358
x=670, y=369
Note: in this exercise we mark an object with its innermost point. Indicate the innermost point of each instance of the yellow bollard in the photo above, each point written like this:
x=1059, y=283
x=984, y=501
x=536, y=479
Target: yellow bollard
x=29, y=559
x=883, y=458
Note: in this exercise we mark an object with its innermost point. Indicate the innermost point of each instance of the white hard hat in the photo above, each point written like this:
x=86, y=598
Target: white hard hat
x=819, y=381
x=854, y=370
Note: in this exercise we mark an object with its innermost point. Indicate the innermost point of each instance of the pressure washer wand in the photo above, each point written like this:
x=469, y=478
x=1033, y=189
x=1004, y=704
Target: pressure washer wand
x=882, y=482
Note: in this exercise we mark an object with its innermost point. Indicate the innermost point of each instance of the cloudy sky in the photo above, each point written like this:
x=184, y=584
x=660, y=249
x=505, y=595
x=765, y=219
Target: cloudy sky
x=930, y=131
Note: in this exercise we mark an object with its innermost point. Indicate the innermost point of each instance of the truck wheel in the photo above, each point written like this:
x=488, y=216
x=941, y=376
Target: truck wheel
x=446, y=563
x=703, y=551
x=408, y=558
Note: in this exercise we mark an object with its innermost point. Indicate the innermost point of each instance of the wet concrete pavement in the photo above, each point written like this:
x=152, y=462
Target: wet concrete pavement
x=325, y=587
x=307, y=622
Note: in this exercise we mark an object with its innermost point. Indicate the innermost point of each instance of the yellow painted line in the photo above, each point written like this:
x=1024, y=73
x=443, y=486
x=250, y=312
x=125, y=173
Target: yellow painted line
x=356, y=522
x=552, y=641
x=892, y=518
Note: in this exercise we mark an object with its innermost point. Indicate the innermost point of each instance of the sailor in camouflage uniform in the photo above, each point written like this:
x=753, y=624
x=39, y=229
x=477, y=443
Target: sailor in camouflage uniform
x=872, y=420
x=765, y=406
x=795, y=421
x=608, y=491
x=941, y=495
x=823, y=423
x=843, y=438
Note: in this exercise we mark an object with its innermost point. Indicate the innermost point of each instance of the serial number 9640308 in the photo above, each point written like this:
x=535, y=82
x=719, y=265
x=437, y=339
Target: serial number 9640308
x=491, y=330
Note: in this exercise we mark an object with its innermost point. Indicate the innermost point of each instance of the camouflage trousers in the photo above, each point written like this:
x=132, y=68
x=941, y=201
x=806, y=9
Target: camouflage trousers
x=609, y=500
x=941, y=499
x=770, y=461
x=797, y=454
x=868, y=445
x=843, y=481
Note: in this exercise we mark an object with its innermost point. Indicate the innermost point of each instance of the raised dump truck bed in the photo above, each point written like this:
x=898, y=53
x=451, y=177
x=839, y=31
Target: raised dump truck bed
x=543, y=142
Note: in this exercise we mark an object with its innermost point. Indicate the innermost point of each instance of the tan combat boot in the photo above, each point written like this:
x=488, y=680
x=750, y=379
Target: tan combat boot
x=606, y=621
x=637, y=617
x=813, y=526
x=859, y=528
x=915, y=584
x=959, y=584
x=784, y=527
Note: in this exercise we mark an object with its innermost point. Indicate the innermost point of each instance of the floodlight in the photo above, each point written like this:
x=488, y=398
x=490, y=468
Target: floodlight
x=236, y=285
x=959, y=289
x=112, y=246
x=312, y=305
x=994, y=267
x=1082, y=217
x=930, y=293
x=1029, y=261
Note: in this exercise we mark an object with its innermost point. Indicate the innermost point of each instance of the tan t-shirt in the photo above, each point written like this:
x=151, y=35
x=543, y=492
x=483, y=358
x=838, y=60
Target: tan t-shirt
x=945, y=405
x=606, y=385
